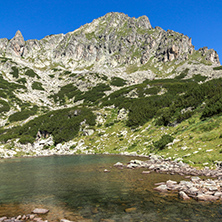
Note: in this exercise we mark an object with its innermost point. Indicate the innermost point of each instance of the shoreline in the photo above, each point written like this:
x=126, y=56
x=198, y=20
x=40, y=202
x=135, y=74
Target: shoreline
x=197, y=188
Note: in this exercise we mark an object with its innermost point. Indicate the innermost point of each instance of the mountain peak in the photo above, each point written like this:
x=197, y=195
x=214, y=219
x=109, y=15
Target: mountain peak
x=18, y=34
x=16, y=44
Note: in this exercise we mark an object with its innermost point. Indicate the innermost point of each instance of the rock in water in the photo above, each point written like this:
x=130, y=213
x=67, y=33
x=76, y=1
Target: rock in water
x=40, y=211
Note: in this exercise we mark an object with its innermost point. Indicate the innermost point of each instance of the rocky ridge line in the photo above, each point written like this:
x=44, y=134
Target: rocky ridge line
x=114, y=40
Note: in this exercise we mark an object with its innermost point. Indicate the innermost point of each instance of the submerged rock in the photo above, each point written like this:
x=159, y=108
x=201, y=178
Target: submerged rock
x=40, y=211
x=128, y=210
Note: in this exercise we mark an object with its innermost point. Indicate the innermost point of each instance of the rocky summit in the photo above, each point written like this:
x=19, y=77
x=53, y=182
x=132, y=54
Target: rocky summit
x=86, y=83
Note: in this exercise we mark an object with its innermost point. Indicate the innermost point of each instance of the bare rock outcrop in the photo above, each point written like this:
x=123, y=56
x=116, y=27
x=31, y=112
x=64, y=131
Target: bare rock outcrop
x=16, y=45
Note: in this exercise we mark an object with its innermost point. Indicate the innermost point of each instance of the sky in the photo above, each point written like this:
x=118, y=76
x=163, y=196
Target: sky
x=199, y=19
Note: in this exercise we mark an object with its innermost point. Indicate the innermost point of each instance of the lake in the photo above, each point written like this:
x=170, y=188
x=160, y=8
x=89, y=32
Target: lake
x=76, y=187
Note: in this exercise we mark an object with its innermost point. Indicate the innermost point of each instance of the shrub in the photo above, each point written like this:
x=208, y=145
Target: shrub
x=199, y=78
x=15, y=72
x=4, y=107
x=182, y=74
x=94, y=94
x=165, y=139
x=37, y=86
x=62, y=124
x=22, y=80
x=26, y=139
x=67, y=91
x=8, y=136
x=66, y=72
x=2, y=94
x=217, y=68
x=116, y=81
x=109, y=124
x=213, y=107
x=21, y=115
x=31, y=73
x=73, y=75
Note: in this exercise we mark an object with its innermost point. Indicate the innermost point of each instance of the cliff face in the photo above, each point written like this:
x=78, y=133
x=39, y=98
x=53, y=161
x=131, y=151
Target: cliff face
x=114, y=40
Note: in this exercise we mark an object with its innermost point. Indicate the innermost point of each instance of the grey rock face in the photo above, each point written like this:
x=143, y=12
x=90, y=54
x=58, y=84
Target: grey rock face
x=114, y=39
x=16, y=45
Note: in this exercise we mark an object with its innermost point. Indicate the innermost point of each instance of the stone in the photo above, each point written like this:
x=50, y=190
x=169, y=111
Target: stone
x=40, y=211
x=118, y=164
x=195, y=179
x=183, y=196
x=106, y=171
x=31, y=216
x=85, y=220
x=171, y=183
x=23, y=217
x=107, y=220
x=38, y=219
x=206, y=197
x=64, y=220
x=161, y=188
x=146, y=172
x=19, y=217
x=129, y=210
x=122, y=114
x=3, y=218
x=218, y=194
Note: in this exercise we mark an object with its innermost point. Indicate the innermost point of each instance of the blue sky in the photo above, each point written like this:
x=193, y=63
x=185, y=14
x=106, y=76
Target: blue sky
x=200, y=20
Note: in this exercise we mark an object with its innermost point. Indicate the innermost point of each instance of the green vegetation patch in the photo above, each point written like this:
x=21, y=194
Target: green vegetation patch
x=116, y=81
x=24, y=114
x=31, y=73
x=62, y=124
x=4, y=106
x=182, y=74
x=217, y=68
x=8, y=89
x=22, y=81
x=167, y=108
x=165, y=139
x=15, y=72
x=94, y=94
x=65, y=93
x=37, y=86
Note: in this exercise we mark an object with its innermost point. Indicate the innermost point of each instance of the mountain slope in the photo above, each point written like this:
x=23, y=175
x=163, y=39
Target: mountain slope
x=114, y=65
